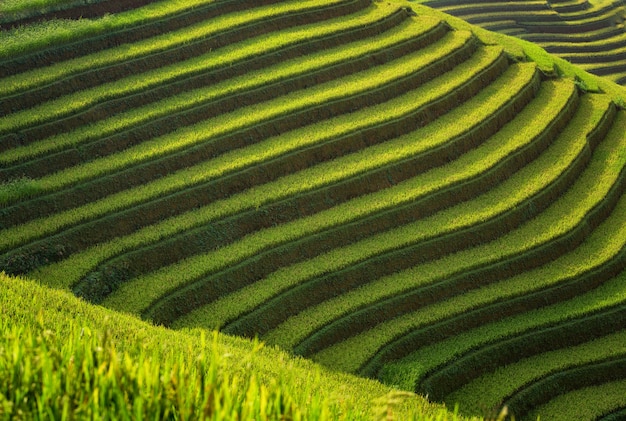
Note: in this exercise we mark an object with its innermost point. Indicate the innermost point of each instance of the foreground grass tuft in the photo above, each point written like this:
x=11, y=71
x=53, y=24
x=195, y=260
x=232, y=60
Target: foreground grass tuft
x=61, y=358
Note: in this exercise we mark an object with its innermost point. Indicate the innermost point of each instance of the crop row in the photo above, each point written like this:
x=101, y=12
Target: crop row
x=206, y=69
x=424, y=360
x=260, y=121
x=514, y=380
x=496, y=160
x=22, y=52
x=581, y=32
x=390, y=118
x=205, y=103
x=475, y=172
x=124, y=60
x=404, y=282
x=266, y=249
x=348, y=171
x=281, y=189
x=521, y=249
x=389, y=38
x=605, y=402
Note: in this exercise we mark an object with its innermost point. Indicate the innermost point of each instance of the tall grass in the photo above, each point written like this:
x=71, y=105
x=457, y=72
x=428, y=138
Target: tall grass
x=63, y=359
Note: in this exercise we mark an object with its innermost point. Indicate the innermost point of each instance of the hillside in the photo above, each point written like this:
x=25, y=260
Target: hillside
x=590, y=34
x=63, y=358
x=377, y=186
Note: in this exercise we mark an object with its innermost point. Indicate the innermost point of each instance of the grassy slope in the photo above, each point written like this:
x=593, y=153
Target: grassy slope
x=37, y=322
x=61, y=357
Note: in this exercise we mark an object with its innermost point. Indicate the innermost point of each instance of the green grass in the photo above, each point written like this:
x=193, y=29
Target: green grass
x=18, y=187
x=66, y=359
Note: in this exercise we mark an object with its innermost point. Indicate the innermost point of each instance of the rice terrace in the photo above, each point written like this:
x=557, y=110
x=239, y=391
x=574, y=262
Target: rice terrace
x=313, y=209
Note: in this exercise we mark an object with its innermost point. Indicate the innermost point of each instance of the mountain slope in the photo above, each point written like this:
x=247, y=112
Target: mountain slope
x=381, y=188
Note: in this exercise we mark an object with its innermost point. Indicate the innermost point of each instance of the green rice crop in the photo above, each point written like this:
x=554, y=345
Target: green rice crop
x=18, y=187
x=543, y=228
x=244, y=117
x=298, y=327
x=599, y=55
x=26, y=39
x=171, y=277
x=522, y=50
x=13, y=6
x=407, y=371
x=211, y=60
x=252, y=80
x=529, y=123
x=317, y=177
x=169, y=40
x=489, y=390
x=243, y=158
x=603, y=245
x=585, y=404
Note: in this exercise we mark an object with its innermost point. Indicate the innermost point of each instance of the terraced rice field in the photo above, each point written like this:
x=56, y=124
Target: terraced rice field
x=590, y=34
x=357, y=184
